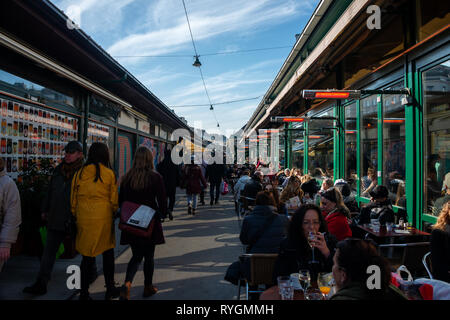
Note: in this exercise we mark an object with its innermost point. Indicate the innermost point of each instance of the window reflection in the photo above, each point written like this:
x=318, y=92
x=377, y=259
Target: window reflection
x=394, y=146
x=436, y=109
x=297, y=142
x=350, y=145
x=369, y=151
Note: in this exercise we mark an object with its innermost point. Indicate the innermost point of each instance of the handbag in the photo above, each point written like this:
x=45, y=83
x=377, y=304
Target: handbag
x=137, y=219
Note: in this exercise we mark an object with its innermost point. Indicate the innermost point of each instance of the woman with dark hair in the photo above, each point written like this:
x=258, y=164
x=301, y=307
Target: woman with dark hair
x=335, y=213
x=94, y=202
x=350, y=271
x=440, y=245
x=143, y=185
x=195, y=181
x=296, y=252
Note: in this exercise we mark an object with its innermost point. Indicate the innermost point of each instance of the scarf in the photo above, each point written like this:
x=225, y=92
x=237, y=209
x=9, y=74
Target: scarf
x=69, y=169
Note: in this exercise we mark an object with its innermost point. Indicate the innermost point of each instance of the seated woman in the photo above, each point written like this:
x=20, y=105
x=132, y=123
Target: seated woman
x=296, y=252
x=263, y=229
x=335, y=213
x=350, y=264
x=440, y=246
x=310, y=188
x=292, y=190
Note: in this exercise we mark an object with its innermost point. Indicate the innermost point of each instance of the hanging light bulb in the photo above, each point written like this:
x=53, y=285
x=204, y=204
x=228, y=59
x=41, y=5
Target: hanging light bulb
x=196, y=62
x=218, y=125
x=211, y=108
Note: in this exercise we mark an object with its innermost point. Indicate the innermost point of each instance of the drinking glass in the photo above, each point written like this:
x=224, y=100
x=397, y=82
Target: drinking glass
x=312, y=237
x=285, y=287
x=313, y=294
x=376, y=226
x=324, y=282
x=304, y=278
x=389, y=226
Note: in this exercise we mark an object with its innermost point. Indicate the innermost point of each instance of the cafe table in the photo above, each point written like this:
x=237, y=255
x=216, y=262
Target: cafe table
x=273, y=294
x=390, y=236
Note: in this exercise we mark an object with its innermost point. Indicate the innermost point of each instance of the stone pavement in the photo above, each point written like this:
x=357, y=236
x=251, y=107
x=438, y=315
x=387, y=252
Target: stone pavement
x=189, y=266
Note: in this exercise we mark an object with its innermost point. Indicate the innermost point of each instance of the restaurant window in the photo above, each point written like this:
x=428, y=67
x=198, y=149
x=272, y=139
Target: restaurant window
x=369, y=151
x=320, y=146
x=436, y=117
x=297, y=143
x=28, y=89
x=282, y=151
x=432, y=16
x=394, y=164
x=350, y=145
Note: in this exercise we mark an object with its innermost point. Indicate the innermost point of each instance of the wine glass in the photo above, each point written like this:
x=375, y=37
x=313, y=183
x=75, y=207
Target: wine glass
x=324, y=282
x=304, y=278
x=311, y=238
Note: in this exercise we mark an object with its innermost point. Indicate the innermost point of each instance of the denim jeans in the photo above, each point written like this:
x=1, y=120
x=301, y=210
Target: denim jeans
x=192, y=198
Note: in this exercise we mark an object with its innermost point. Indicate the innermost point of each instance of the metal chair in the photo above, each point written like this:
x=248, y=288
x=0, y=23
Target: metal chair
x=261, y=271
x=411, y=256
x=426, y=261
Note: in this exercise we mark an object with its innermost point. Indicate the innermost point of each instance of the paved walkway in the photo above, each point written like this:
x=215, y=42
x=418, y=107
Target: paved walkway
x=189, y=266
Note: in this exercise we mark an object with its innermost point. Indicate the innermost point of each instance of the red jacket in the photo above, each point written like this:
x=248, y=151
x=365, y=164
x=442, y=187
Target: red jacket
x=194, y=180
x=338, y=225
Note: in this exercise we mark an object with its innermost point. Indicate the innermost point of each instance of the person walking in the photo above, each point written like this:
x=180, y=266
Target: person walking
x=215, y=173
x=56, y=211
x=10, y=214
x=171, y=175
x=94, y=202
x=203, y=167
x=194, y=183
x=143, y=185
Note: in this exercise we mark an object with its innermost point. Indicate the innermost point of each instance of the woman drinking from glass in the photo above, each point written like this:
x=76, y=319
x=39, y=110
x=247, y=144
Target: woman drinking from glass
x=308, y=244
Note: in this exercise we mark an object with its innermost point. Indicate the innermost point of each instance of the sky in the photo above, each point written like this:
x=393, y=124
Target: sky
x=159, y=28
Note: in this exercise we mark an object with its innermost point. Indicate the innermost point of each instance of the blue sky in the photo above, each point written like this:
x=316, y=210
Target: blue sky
x=159, y=27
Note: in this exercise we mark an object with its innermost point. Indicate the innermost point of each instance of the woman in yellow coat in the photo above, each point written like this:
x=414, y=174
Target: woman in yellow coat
x=94, y=201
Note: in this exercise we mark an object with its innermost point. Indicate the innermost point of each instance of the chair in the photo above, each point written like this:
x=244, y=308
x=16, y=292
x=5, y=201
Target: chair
x=246, y=206
x=411, y=256
x=426, y=261
x=261, y=271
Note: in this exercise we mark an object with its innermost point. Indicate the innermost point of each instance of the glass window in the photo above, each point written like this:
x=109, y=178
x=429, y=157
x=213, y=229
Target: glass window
x=394, y=146
x=432, y=16
x=320, y=146
x=350, y=145
x=436, y=117
x=25, y=88
x=282, y=151
x=369, y=151
x=297, y=146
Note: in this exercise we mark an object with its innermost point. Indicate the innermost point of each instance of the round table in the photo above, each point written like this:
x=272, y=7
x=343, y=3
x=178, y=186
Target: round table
x=272, y=294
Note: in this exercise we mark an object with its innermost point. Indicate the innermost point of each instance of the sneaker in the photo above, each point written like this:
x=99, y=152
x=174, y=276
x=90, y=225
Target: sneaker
x=112, y=292
x=38, y=288
x=149, y=291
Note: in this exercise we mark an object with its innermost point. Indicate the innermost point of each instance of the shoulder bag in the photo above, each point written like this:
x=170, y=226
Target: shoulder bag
x=137, y=219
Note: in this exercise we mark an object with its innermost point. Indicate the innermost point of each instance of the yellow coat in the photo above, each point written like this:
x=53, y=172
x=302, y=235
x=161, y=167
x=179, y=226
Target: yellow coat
x=93, y=204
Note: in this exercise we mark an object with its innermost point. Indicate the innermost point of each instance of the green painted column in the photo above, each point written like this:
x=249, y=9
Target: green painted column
x=289, y=146
x=286, y=161
x=305, y=147
x=358, y=148
x=380, y=140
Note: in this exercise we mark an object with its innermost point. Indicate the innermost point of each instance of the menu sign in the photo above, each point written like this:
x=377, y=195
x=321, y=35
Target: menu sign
x=32, y=133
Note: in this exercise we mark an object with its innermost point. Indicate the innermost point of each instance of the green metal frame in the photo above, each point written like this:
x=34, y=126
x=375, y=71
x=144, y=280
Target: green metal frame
x=305, y=147
x=380, y=142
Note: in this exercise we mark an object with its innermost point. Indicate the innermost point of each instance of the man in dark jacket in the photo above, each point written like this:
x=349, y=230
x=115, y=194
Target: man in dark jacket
x=254, y=186
x=214, y=175
x=380, y=207
x=56, y=210
x=171, y=175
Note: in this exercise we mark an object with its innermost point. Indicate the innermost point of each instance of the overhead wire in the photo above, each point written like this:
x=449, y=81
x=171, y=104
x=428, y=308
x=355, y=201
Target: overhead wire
x=217, y=103
x=199, y=67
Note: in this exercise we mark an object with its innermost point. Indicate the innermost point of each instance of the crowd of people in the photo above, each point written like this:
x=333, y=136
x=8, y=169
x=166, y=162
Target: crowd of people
x=329, y=212
x=307, y=219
